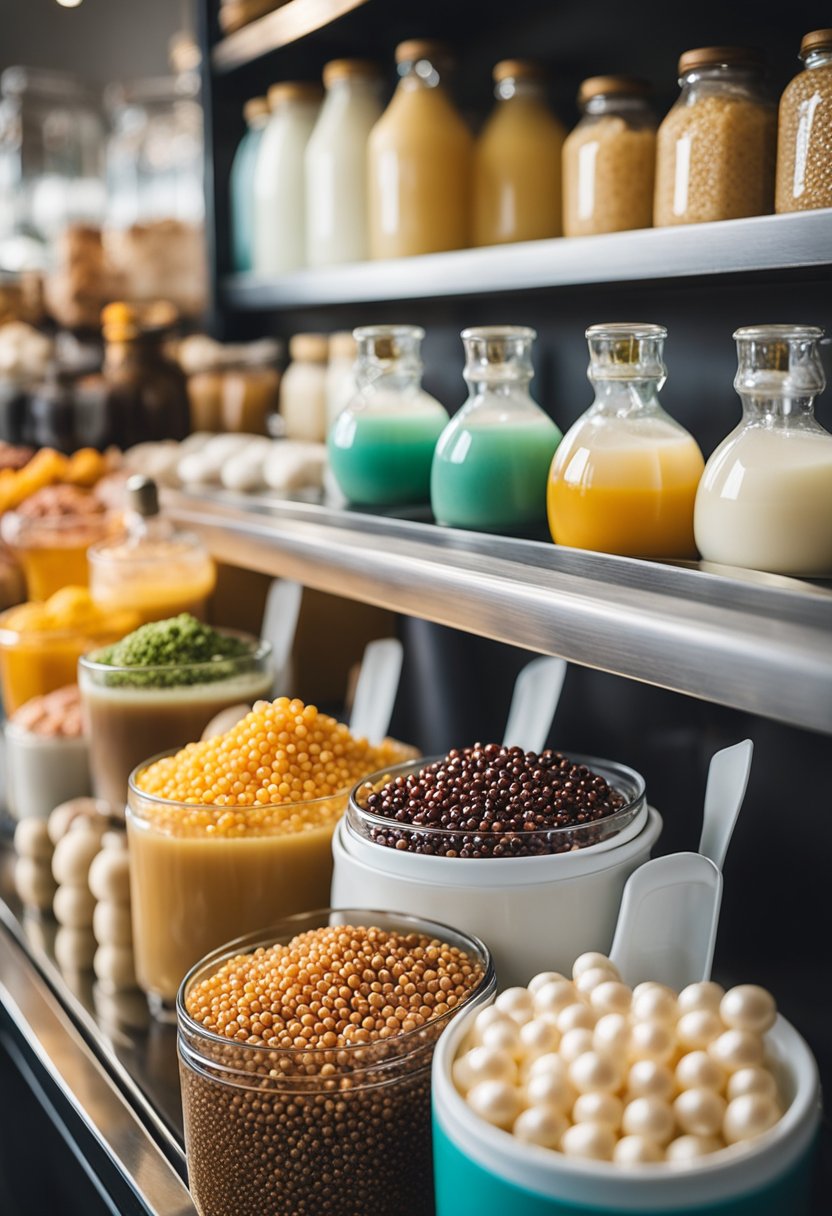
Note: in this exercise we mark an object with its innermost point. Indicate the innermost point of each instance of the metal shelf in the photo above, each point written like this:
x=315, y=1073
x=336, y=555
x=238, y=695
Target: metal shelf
x=754, y=642
x=285, y=25
x=766, y=243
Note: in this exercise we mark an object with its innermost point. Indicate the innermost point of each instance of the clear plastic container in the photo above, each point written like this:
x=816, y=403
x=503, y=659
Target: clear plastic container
x=804, y=143
x=491, y=462
x=765, y=499
x=324, y=1131
x=280, y=179
x=716, y=147
x=609, y=159
x=517, y=160
x=256, y=115
x=336, y=164
x=382, y=443
x=624, y=478
x=419, y=162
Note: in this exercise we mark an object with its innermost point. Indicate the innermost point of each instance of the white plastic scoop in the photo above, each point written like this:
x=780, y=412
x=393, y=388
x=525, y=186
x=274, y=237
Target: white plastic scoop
x=280, y=620
x=669, y=913
x=534, y=701
x=375, y=691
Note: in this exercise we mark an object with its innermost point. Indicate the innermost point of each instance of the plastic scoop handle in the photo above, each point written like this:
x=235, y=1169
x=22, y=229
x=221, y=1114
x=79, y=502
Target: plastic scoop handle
x=280, y=620
x=376, y=689
x=724, y=793
x=534, y=701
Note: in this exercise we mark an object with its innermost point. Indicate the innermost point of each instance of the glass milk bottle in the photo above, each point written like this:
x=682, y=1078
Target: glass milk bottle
x=517, y=194
x=256, y=114
x=419, y=162
x=765, y=499
x=624, y=479
x=303, y=388
x=279, y=179
x=381, y=444
x=491, y=462
x=336, y=164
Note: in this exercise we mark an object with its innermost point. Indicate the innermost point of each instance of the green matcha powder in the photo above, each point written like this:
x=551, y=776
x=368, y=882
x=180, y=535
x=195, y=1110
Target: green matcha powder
x=164, y=654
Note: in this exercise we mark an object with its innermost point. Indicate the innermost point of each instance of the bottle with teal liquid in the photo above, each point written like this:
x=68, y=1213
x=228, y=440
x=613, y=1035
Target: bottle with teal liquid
x=492, y=460
x=256, y=114
x=381, y=444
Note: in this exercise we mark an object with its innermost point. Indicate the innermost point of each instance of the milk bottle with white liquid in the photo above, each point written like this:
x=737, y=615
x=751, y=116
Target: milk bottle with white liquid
x=765, y=498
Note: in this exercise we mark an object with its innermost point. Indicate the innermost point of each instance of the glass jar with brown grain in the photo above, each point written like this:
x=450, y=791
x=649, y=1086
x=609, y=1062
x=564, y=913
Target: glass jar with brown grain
x=804, y=145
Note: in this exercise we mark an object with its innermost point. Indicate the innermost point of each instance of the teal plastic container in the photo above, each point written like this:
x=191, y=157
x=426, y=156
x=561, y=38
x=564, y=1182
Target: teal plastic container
x=480, y=1170
x=242, y=183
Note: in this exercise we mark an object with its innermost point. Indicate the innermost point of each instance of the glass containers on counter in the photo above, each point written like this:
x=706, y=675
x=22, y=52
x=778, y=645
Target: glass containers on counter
x=419, y=161
x=146, y=393
x=609, y=159
x=279, y=179
x=382, y=443
x=765, y=499
x=303, y=388
x=256, y=115
x=491, y=462
x=336, y=164
x=517, y=160
x=250, y=387
x=716, y=147
x=804, y=145
x=624, y=478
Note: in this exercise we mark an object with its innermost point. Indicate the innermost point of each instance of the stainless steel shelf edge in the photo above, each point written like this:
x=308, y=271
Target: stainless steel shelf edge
x=286, y=24
x=757, y=644
x=763, y=243
x=81, y=1078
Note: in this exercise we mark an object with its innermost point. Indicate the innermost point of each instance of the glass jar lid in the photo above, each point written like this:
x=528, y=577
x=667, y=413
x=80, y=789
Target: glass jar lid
x=610, y=86
x=817, y=40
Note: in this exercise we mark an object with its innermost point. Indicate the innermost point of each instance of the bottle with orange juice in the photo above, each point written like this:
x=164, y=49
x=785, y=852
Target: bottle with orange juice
x=624, y=478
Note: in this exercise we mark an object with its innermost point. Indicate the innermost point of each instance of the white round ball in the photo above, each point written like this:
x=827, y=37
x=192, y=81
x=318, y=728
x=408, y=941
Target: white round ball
x=74, y=854
x=503, y=1036
x=574, y=1043
x=652, y=1041
x=65, y=815
x=594, y=1072
x=612, y=1033
x=555, y=996
x=115, y=965
x=549, y=1063
x=705, y=995
x=111, y=924
x=109, y=876
x=735, y=1049
x=655, y=1005
x=576, y=1017
x=598, y=1108
x=483, y=1064
x=542, y=979
x=538, y=1038
x=34, y=883
x=611, y=997
x=690, y=1148
x=591, y=979
x=551, y=1089
x=651, y=986
x=31, y=839
x=749, y=1116
x=593, y=960
x=495, y=1101
x=699, y=1112
x=748, y=1007
x=751, y=1081
x=637, y=1150
x=595, y=1141
x=543, y=1125
x=74, y=906
x=518, y=1003
x=650, y=1079
x=698, y=1028
x=485, y=1018
x=650, y=1117
x=697, y=1070
x=74, y=949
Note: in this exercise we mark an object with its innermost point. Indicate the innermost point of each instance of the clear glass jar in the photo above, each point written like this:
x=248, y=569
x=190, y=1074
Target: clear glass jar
x=517, y=160
x=419, y=161
x=765, y=499
x=250, y=388
x=716, y=147
x=146, y=392
x=256, y=115
x=336, y=164
x=340, y=375
x=609, y=159
x=280, y=179
x=382, y=443
x=491, y=462
x=804, y=143
x=624, y=478
x=325, y=1131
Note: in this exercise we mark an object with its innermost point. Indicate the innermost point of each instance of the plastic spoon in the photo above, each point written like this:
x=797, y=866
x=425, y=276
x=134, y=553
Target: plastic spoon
x=724, y=793
x=280, y=620
x=534, y=701
x=667, y=924
x=375, y=692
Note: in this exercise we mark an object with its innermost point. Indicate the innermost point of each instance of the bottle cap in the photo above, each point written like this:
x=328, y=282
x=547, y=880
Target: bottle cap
x=422, y=48
x=350, y=69
x=256, y=107
x=309, y=348
x=518, y=69
x=142, y=495
x=293, y=90
x=342, y=345
x=720, y=56
x=612, y=86
x=817, y=40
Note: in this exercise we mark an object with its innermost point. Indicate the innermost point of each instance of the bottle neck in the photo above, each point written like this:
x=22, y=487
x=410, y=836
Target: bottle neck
x=399, y=379
x=776, y=410
x=522, y=88
x=736, y=80
x=821, y=58
x=621, y=398
x=617, y=103
x=417, y=75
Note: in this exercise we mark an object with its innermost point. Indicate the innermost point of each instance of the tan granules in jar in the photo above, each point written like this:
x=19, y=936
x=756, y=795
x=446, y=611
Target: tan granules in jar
x=804, y=143
x=608, y=174
x=715, y=161
x=288, y=1134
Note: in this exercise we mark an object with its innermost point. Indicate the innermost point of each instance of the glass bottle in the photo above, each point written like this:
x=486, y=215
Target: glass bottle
x=419, y=162
x=146, y=391
x=279, y=179
x=765, y=499
x=303, y=388
x=340, y=386
x=624, y=478
x=381, y=444
x=250, y=387
x=716, y=146
x=491, y=462
x=154, y=569
x=609, y=159
x=804, y=162
x=517, y=160
x=256, y=114
x=336, y=164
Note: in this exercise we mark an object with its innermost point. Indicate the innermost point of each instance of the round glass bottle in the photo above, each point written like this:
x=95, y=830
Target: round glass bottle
x=804, y=163
x=491, y=461
x=517, y=188
x=256, y=115
x=609, y=159
x=381, y=444
x=624, y=479
x=765, y=499
x=715, y=150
